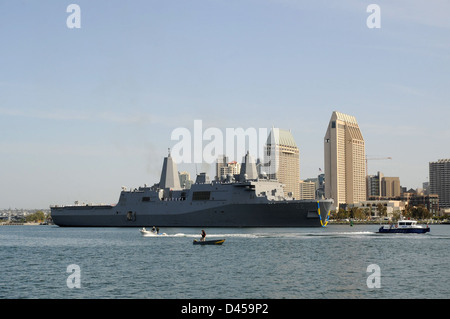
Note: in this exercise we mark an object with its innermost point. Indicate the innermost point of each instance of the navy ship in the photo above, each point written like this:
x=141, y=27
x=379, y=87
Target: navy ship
x=242, y=200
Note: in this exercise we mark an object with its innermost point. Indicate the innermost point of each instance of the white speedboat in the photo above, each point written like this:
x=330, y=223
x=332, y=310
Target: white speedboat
x=152, y=232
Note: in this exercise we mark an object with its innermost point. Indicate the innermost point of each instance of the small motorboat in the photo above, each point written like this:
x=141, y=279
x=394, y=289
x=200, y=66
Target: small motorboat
x=404, y=227
x=145, y=232
x=209, y=242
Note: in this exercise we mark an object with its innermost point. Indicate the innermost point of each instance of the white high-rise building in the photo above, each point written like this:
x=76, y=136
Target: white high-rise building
x=284, y=155
x=345, y=167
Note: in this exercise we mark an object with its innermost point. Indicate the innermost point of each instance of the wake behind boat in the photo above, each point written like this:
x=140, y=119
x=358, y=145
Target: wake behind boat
x=404, y=227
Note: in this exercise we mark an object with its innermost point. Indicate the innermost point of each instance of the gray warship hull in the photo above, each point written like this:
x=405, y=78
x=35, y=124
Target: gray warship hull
x=256, y=202
x=302, y=213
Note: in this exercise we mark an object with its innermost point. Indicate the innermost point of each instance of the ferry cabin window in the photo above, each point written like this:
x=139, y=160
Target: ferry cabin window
x=146, y=199
x=405, y=223
x=201, y=195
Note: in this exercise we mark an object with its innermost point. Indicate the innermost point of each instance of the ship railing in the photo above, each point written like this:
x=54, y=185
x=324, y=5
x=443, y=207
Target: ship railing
x=173, y=199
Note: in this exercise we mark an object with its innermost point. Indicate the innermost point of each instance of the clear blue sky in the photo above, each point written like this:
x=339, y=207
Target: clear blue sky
x=86, y=111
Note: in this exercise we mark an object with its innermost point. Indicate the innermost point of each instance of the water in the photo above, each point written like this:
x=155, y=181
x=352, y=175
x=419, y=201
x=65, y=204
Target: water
x=258, y=263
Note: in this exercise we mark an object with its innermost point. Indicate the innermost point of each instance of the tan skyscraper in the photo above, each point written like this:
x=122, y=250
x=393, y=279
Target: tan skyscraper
x=345, y=169
x=390, y=186
x=285, y=161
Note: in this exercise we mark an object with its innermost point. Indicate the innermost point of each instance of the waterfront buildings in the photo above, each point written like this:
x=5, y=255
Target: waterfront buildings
x=440, y=181
x=378, y=208
x=284, y=155
x=225, y=168
x=222, y=161
x=308, y=189
x=380, y=185
x=373, y=183
x=413, y=199
x=430, y=201
x=390, y=186
x=345, y=169
x=426, y=188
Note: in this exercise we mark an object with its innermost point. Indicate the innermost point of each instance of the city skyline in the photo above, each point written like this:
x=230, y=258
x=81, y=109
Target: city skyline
x=86, y=111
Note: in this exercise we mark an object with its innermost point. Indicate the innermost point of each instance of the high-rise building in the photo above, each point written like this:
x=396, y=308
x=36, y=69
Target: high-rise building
x=222, y=161
x=440, y=181
x=225, y=168
x=283, y=158
x=373, y=184
x=426, y=188
x=232, y=168
x=345, y=169
x=382, y=186
x=390, y=186
x=308, y=189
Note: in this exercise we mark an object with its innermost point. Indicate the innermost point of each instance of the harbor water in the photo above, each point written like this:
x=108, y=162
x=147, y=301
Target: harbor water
x=337, y=261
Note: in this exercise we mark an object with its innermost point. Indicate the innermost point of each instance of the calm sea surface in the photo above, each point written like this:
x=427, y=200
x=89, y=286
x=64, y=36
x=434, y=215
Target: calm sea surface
x=329, y=262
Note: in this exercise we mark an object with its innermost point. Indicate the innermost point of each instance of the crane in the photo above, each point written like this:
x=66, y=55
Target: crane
x=374, y=158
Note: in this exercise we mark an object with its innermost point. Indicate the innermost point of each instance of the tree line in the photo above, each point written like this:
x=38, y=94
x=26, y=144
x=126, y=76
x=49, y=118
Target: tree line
x=39, y=216
x=412, y=212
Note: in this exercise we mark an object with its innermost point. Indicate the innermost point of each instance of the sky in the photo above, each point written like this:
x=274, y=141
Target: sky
x=85, y=111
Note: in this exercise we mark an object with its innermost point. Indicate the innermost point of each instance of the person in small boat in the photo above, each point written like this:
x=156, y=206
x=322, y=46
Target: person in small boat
x=157, y=230
x=153, y=229
x=203, y=235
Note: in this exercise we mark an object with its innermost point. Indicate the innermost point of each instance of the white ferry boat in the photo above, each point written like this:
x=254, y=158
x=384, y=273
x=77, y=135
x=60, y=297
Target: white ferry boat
x=404, y=226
